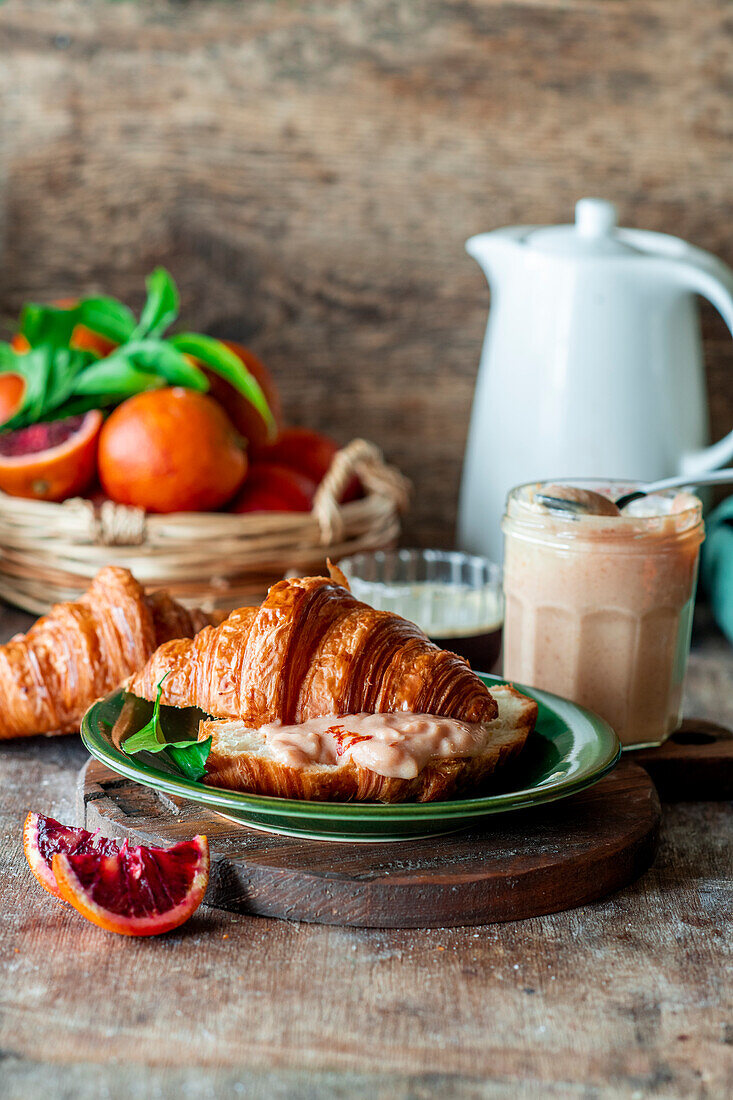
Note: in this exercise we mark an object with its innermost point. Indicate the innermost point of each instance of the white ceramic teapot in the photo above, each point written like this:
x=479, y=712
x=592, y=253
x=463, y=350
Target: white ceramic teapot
x=592, y=362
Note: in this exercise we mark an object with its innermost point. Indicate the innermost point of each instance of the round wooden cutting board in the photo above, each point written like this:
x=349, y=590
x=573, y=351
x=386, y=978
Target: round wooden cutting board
x=508, y=867
x=694, y=764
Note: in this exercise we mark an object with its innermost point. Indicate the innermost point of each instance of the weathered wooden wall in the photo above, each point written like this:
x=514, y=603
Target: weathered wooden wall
x=309, y=172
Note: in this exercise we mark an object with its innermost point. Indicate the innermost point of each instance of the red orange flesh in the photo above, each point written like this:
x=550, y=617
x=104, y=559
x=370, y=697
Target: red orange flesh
x=136, y=891
x=50, y=461
x=43, y=837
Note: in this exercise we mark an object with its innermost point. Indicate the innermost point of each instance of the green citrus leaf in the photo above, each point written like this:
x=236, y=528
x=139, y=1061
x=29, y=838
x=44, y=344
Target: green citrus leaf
x=50, y=375
x=65, y=365
x=35, y=367
x=161, y=308
x=150, y=738
x=77, y=405
x=47, y=325
x=8, y=355
x=160, y=357
x=222, y=361
x=115, y=374
x=107, y=317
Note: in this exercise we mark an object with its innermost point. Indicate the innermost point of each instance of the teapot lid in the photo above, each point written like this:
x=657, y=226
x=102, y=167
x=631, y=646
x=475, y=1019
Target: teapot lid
x=593, y=234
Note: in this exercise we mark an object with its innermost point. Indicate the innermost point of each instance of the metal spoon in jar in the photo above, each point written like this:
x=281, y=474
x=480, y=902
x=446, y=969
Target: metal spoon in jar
x=575, y=502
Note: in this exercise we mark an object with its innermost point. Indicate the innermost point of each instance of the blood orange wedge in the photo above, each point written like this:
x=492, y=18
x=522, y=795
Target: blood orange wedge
x=136, y=891
x=50, y=461
x=43, y=837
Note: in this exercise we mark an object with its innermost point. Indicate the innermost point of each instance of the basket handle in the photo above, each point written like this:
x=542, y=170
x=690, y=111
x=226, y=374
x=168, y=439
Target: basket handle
x=366, y=461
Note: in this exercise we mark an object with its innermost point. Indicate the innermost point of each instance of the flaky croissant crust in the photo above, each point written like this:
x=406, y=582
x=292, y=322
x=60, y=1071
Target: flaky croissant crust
x=82, y=650
x=313, y=649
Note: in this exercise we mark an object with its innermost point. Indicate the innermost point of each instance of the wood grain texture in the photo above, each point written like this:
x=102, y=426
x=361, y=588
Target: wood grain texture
x=310, y=171
x=506, y=868
x=627, y=997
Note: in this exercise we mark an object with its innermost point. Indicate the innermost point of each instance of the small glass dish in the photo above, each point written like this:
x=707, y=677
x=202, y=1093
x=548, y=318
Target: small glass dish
x=455, y=598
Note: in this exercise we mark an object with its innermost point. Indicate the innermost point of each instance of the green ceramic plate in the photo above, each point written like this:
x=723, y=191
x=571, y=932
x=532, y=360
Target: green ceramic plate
x=570, y=749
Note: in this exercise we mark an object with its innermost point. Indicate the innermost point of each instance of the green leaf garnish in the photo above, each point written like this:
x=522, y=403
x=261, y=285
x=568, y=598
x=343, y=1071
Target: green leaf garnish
x=188, y=756
x=35, y=367
x=62, y=380
x=76, y=406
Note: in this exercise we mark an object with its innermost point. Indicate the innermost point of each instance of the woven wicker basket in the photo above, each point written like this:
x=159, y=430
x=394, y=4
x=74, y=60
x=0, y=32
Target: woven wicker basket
x=50, y=552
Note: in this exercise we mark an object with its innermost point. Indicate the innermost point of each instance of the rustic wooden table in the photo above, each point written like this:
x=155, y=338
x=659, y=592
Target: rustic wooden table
x=629, y=997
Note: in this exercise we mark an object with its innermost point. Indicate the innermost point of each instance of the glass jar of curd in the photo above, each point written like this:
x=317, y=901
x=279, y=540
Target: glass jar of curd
x=599, y=607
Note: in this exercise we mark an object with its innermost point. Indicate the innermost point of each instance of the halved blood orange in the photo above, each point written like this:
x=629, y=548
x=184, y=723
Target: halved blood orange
x=43, y=837
x=135, y=891
x=52, y=460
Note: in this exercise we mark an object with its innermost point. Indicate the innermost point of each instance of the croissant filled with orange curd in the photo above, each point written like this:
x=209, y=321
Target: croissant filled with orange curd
x=82, y=650
x=293, y=688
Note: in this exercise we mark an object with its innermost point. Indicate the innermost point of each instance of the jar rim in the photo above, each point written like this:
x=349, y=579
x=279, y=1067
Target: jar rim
x=670, y=525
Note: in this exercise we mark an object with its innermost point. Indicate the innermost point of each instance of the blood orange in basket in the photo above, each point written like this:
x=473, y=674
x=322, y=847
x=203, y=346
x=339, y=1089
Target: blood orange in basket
x=43, y=837
x=136, y=891
x=242, y=413
x=52, y=460
x=12, y=389
x=171, y=450
x=310, y=453
x=271, y=488
x=302, y=449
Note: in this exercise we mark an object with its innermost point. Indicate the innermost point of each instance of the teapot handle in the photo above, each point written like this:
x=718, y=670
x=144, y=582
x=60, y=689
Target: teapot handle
x=713, y=280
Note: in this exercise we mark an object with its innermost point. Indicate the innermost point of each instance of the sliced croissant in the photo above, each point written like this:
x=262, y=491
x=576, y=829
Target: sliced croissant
x=241, y=759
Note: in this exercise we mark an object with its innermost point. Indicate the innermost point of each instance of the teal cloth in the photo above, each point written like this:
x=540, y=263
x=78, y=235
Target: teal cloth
x=717, y=565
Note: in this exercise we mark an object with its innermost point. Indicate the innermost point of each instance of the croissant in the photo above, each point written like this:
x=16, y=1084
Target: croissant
x=313, y=649
x=311, y=654
x=82, y=650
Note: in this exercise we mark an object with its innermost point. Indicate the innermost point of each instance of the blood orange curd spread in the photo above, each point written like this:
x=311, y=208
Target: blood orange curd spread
x=599, y=607
x=398, y=745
